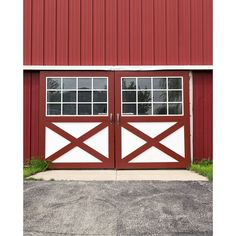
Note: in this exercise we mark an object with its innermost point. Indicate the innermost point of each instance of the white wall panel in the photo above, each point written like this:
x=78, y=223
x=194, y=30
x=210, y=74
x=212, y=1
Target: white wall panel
x=152, y=155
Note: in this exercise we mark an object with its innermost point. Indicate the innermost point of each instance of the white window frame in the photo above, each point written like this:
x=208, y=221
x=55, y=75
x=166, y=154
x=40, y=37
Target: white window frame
x=167, y=89
x=76, y=102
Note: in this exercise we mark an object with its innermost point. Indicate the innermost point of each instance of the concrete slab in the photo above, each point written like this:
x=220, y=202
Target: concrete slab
x=117, y=175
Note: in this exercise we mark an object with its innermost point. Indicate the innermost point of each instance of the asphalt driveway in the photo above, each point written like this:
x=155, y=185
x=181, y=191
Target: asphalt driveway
x=54, y=208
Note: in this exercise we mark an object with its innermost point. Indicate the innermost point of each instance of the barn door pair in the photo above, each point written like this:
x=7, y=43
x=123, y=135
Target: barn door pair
x=122, y=120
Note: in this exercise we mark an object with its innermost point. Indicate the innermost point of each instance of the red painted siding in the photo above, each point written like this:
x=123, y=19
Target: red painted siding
x=135, y=32
x=118, y=32
x=202, y=116
x=37, y=28
x=27, y=116
x=50, y=33
x=31, y=115
x=86, y=32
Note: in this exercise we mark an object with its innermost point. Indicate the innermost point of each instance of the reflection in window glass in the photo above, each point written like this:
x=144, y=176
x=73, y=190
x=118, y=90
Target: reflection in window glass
x=69, y=83
x=84, y=96
x=76, y=96
x=129, y=109
x=54, y=96
x=152, y=96
x=99, y=96
x=53, y=109
x=84, y=109
x=129, y=83
x=69, y=96
x=175, y=108
x=159, y=96
x=159, y=108
x=159, y=83
x=144, y=109
x=69, y=109
x=129, y=96
x=174, y=96
x=53, y=83
x=174, y=83
x=144, y=83
x=99, y=109
x=84, y=83
x=144, y=96
x=99, y=83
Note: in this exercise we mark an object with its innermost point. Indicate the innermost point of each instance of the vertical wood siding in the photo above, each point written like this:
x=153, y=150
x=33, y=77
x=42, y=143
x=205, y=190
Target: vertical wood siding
x=31, y=115
x=117, y=32
x=202, y=116
x=27, y=116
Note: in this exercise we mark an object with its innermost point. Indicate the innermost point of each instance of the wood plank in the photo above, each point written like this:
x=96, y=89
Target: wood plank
x=74, y=32
x=135, y=32
x=27, y=32
x=196, y=33
x=160, y=31
x=62, y=32
x=172, y=32
x=111, y=32
x=147, y=33
x=86, y=33
x=50, y=33
x=184, y=32
x=123, y=32
x=37, y=32
x=99, y=32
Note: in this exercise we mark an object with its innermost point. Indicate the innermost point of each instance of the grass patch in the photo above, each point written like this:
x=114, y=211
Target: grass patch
x=204, y=168
x=34, y=167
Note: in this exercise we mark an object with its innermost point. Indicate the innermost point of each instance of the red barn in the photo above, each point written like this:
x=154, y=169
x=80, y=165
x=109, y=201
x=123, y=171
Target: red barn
x=123, y=84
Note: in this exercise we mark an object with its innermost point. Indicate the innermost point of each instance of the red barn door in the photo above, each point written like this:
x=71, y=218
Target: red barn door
x=152, y=120
x=76, y=119
x=123, y=120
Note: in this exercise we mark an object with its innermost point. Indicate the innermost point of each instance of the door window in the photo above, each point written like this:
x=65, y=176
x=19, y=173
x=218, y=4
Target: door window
x=77, y=96
x=152, y=96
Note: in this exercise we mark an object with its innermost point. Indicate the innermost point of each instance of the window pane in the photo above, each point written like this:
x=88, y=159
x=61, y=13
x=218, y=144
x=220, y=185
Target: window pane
x=175, y=108
x=159, y=108
x=54, y=109
x=129, y=96
x=84, y=83
x=84, y=96
x=69, y=83
x=69, y=109
x=128, y=83
x=69, y=96
x=99, y=96
x=159, y=96
x=53, y=83
x=129, y=109
x=100, y=83
x=54, y=96
x=159, y=83
x=99, y=109
x=144, y=96
x=144, y=83
x=144, y=109
x=175, y=96
x=84, y=109
x=174, y=83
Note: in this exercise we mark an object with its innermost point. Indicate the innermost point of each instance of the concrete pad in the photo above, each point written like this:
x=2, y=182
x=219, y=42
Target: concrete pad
x=117, y=175
x=163, y=175
x=85, y=175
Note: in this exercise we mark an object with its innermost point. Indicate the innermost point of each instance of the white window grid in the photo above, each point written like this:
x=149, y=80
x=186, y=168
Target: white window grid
x=77, y=90
x=152, y=90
